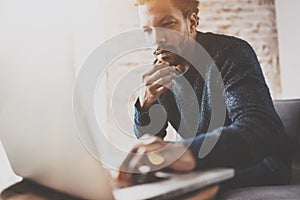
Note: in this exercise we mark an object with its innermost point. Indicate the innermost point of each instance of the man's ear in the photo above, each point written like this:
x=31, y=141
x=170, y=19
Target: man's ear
x=193, y=22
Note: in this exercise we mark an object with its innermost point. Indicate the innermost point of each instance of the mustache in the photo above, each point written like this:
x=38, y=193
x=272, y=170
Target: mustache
x=162, y=49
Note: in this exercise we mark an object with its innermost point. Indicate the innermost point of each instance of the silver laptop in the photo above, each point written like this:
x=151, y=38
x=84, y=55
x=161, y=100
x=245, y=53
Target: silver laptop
x=39, y=135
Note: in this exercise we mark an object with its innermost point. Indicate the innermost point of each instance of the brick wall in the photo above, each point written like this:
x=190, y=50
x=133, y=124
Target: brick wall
x=251, y=20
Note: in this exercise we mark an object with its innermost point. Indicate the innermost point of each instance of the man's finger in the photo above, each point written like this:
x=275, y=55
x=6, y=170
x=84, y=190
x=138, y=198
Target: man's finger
x=164, y=88
x=142, y=154
x=155, y=68
x=162, y=82
x=160, y=74
x=150, y=143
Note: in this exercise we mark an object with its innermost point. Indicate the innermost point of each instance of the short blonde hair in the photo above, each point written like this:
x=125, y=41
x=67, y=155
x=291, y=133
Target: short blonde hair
x=187, y=7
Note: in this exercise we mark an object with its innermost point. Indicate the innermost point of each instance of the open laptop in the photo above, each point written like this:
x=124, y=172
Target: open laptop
x=38, y=132
x=70, y=169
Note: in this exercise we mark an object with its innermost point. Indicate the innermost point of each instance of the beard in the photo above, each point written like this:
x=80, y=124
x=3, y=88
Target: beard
x=167, y=54
x=170, y=54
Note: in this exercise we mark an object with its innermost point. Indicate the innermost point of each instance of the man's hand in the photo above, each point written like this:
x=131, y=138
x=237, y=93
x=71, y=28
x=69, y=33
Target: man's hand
x=156, y=81
x=154, y=153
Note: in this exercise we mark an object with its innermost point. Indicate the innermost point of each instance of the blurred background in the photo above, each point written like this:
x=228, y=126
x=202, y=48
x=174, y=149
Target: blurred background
x=64, y=32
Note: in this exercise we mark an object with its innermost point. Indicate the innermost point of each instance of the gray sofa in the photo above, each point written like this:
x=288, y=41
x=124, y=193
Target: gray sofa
x=289, y=112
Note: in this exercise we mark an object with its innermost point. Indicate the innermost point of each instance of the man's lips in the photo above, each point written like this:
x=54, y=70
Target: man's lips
x=161, y=52
x=162, y=55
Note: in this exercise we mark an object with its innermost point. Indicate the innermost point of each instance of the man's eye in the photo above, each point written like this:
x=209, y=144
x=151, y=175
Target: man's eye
x=147, y=30
x=169, y=24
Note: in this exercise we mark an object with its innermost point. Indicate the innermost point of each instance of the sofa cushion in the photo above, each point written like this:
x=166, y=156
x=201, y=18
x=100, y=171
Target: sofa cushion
x=266, y=193
x=289, y=112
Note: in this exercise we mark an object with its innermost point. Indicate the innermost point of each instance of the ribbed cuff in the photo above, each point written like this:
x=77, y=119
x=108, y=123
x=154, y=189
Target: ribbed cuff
x=141, y=115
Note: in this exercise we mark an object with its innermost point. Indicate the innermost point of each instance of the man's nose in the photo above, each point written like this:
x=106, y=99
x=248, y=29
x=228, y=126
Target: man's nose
x=159, y=36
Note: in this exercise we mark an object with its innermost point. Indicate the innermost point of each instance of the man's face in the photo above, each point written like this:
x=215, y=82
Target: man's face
x=159, y=16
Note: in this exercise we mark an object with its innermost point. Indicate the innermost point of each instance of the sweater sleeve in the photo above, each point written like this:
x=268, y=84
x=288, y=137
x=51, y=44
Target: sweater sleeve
x=255, y=130
x=152, y=122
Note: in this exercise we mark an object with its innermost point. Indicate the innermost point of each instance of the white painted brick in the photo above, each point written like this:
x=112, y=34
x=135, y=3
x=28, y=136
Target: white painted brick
x=252, y=20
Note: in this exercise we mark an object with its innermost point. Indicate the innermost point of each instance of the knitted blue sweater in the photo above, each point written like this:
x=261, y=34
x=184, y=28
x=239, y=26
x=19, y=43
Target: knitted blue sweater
x=251, y=128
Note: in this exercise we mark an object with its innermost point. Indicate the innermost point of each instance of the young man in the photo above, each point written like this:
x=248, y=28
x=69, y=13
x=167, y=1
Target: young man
x=252, y=139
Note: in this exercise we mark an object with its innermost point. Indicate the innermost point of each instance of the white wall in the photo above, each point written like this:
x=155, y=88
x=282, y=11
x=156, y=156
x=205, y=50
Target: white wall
x=7, y=177
x=288, y=24
x=44, y=34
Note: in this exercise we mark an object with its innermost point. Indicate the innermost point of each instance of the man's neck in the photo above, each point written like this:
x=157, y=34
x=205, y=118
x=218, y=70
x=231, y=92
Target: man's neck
x=189, y=54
